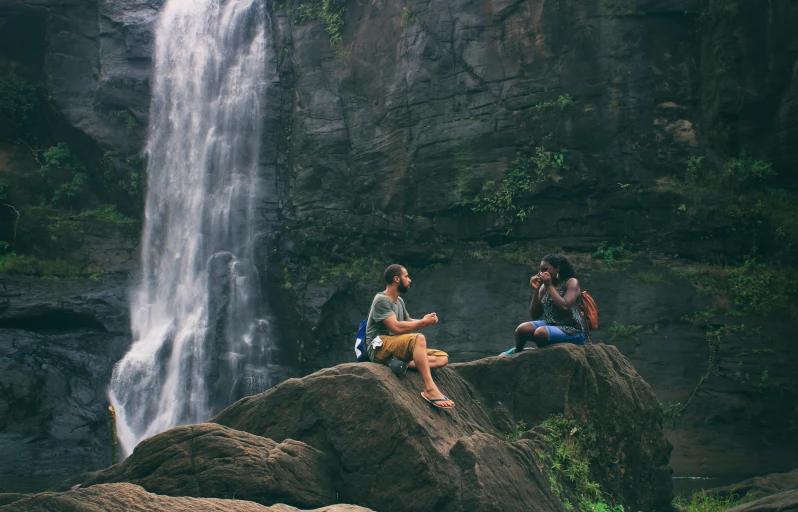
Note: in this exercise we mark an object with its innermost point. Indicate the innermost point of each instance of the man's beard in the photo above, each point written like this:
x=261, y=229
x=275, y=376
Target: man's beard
x=403, y=289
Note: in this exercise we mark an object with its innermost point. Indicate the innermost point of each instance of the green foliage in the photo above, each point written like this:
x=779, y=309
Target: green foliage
x=62, y=178
x=3, y=190
x=408, y=18
x=124, y=180
x=509, y=199
x=11, y=263
x=603, y=507
x=329, y=12
x=124, y=117
x=571, y=448
x=519, y=429
x=563, y=103
x=745, y=171
x=747, y=288
x=695, y=166
x=108, y=214
x=702, y=502
x=18, y=104
x=619, y=331
x=613, y=256
x=754, y=288
x=66, y=192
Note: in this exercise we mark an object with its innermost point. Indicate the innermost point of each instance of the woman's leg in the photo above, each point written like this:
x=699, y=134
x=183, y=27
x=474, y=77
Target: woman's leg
x=526, y=332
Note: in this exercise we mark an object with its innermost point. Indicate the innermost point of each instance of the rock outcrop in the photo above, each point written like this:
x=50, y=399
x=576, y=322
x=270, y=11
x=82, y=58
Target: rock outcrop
x=781, y=502
x=132, y=498
x=761, y=486
x=211, y=461
x=777, y=492
x=59, y=340
x=392, y=451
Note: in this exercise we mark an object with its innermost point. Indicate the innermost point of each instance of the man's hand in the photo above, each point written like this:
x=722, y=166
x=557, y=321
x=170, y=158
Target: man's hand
x=430, y=319
x=535, y=281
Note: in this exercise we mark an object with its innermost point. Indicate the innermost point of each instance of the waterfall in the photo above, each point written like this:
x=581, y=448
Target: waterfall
x=198, y=341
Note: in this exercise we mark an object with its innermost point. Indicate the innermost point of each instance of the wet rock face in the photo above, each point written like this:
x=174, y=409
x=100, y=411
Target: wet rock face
x=392, y=451
x=59, y=340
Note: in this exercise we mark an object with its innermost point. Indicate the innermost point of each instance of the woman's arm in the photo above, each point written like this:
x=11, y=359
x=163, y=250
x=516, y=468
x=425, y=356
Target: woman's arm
x=535, y=307
x=572, y=292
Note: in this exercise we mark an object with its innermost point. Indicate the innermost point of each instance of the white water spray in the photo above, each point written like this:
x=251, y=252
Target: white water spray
x=198, y=341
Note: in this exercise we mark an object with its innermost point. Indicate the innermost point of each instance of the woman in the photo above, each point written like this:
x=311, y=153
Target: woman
x=558, y=300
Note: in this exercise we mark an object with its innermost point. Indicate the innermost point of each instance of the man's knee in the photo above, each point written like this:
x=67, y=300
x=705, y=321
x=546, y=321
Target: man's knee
x=421, y=341
x=444, y=360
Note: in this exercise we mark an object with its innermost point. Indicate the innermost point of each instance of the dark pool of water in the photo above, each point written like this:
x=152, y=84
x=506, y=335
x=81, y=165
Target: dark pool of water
x=687, y=485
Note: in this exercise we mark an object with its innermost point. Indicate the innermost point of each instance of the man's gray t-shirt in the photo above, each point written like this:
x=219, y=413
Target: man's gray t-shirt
x=383, y=307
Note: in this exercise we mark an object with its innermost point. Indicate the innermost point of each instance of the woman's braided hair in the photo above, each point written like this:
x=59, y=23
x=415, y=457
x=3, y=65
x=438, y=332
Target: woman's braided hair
x=558, y=260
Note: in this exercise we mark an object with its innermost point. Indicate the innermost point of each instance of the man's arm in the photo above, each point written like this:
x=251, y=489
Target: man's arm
x=397, y=327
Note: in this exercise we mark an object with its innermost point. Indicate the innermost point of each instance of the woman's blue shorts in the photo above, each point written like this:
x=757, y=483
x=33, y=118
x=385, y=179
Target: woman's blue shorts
x=556, y=335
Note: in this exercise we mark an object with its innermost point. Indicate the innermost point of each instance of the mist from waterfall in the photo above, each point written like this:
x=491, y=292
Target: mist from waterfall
x=198, y=343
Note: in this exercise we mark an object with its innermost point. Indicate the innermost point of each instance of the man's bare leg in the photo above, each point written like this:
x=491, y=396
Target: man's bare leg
x=434, y=362
x=421, y=360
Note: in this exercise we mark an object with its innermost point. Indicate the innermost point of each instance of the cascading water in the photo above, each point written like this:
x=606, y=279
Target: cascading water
x=198, y=341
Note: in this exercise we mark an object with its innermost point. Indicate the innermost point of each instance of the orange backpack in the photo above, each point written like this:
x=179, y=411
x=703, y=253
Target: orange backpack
x=590, y=310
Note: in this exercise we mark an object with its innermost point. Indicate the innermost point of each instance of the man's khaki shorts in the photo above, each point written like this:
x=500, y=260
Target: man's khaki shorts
x=401, y=347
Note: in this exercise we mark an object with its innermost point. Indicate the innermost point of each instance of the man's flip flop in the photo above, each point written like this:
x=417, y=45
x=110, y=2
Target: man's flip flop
x=435, y=401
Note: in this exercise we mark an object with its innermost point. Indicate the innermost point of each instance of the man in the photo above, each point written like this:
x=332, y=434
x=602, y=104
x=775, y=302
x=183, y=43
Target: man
x=389, y=332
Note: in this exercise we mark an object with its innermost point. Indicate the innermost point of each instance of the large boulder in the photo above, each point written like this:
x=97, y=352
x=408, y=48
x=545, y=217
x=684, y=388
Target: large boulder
x=132, y=498
x=761, y=486
x=212, y=461
x=392, y=451
x=780, y=502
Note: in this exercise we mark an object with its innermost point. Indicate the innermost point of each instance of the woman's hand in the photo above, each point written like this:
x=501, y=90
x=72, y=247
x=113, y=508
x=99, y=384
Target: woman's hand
x=535, y=282
x=546, y=278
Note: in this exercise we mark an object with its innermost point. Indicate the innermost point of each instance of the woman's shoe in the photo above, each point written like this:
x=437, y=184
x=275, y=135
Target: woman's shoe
x=508, y=352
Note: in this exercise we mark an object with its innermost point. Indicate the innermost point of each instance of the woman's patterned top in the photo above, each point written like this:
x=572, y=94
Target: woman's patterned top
x=571, y=321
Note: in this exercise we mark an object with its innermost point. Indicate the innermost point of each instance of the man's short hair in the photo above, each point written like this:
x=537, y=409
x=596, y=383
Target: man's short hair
x=392, y=271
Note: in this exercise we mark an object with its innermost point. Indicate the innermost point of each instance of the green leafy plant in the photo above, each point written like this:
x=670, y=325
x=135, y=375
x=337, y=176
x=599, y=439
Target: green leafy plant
x=571, y=448
x=695, y=166
x=108, y=214
x=702, y=501
x=18, y=104
x=329, y=12
x=744, y=170
x=124, y=117
x=754, y=287
x=62, y=178
x=619, y=331
x=564, y=102
x=613, y=255
x=518, y=430
x=507, y=198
